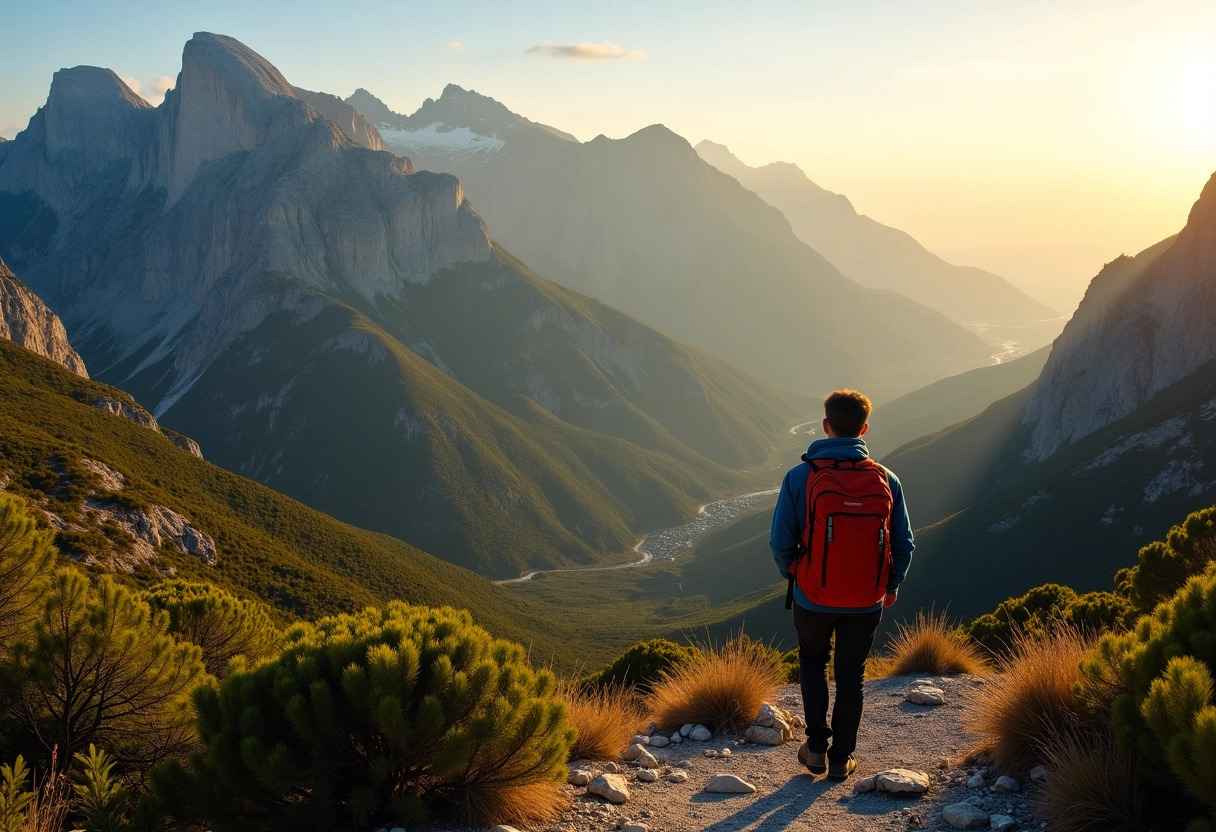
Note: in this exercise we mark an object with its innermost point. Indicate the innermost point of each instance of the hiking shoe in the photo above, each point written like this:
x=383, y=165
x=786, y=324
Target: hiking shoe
x=816, y=762
x=840, y=769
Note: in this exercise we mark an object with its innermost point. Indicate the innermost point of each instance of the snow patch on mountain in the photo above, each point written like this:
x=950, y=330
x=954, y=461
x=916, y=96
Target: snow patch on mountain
x=441, y=137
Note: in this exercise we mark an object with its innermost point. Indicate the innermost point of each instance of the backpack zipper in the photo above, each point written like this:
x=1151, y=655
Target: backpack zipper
x=882, y=549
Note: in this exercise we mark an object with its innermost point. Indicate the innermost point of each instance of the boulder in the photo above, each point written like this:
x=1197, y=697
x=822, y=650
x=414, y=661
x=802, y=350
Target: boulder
x=728, y=784
x=1007, y=784
x=902, y=781
x=964, y=816
x=611, y=787
x=763, y=736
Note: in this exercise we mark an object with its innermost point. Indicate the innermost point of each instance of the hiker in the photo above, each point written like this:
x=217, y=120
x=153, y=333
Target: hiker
x=841, y=536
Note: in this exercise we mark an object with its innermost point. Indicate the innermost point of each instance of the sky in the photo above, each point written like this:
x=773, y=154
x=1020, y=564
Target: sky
x=1036, y=139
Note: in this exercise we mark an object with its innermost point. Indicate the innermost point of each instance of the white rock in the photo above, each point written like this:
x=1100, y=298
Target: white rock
x=677, y=776
x=611, y=787
x=580, y=777
x=677, y=738
x=977, y=781
x=902, y=781
x=647, y=775
x=1007, y=784
x=659, y=741
x=1001, y=822
x=762, y=735
x=632, y=752
x=725, y=752
x=767, y=716
x=646, y=759
x=686, y=730
x=1039, y=774
x=964, y=816
x=640, y=739
x=700, y=734
x=728, y=784
x=865, y=784
x=926, y=695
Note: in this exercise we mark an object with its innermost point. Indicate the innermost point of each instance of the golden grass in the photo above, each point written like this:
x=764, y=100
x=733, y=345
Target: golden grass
x=491, y=804
x=605, y=719
x=929, y=644
x=1091, y=786
x=1029, y=703
x=722, y=689
x=52, y=801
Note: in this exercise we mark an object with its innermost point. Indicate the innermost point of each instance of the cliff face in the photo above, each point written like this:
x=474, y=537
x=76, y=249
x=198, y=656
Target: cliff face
x=26, y=320
x=1145, y=323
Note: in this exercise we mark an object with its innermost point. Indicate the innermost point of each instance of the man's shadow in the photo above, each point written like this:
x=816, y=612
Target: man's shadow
x=776, y=811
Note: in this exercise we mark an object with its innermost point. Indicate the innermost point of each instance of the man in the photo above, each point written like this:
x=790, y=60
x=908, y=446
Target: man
x=842, y=537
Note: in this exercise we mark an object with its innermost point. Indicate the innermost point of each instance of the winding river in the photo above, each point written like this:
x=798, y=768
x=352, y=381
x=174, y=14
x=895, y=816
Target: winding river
x=668, y=544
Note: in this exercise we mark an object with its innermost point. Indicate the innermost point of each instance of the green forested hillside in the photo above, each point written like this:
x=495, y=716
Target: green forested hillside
x=301, y=561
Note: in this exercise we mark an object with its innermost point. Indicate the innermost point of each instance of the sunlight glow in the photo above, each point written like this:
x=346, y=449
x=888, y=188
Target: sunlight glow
x=1194, y=96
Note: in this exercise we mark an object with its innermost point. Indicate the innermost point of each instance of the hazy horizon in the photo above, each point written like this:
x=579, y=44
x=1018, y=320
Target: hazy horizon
x=1038, y=140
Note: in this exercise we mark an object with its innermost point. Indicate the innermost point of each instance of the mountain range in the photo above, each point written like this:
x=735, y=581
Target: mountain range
x=646, y=225
x=323, y=318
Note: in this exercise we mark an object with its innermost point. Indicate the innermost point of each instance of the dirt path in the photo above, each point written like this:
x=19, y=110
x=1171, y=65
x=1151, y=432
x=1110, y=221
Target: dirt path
x=894, y=734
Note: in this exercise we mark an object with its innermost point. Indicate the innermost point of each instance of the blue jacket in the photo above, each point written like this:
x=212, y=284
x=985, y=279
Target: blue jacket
x=789, y=518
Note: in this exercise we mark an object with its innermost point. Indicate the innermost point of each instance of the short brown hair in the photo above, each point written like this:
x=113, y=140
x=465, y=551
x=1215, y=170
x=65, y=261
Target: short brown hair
x=846, y=411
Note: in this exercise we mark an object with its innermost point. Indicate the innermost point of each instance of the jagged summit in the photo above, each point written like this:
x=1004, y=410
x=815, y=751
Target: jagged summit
x=357, y=128
x=26, y=321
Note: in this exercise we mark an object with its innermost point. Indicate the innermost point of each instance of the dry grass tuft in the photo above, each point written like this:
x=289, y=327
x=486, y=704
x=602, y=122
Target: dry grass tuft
x=1092, y=787
x=490, y=804
x=605, y=719
x=723, y=689
x=48, y=811
x=1030, y=703
x=929, y=644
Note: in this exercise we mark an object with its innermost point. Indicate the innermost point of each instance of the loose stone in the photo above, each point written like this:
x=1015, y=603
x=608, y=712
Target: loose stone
x=964, y=816
x=1000, y=823
x=1039, y=774
x=728, y=784
x=659, y=741
x=647, y=775
x=633, y=752
x=1007, y=784
x=580, y=777
x=977, y=781
x=647, y=760
x=902, y=781
x=700, y=734
x=677, y=776
x=611, y=787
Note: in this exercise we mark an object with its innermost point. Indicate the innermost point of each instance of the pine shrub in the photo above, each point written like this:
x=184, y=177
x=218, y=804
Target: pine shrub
x=372, y=719
x=642, y=664
x=26, y=555
x=222, y=625
x=1166, y=565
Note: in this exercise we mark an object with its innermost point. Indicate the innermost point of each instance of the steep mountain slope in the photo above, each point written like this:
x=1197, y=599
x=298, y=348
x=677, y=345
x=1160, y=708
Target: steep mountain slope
x=877, y=255
x=26, y=321
x=326, y=320
x=644, y=224
x=85, y=470
x=949, y=401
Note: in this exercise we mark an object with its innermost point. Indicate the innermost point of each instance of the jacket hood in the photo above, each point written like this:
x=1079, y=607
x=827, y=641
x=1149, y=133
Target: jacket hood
x=837, y=447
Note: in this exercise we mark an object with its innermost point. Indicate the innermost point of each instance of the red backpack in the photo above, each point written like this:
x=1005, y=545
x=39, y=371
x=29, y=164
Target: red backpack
x=846, y=548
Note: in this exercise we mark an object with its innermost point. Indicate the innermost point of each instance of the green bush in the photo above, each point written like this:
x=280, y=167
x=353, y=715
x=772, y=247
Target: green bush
x=1159, y=680
x=99, y=666
x=26, y=554
x=222, y=625
x=642, y=664
x=1165, y=565
x=372, y=719
x=1040, y=611
x=15, y=797
x=102, y=801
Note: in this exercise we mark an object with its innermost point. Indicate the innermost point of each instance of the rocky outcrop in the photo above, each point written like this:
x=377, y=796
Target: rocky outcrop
x=132, y=412
x=1145, y=323
x=26, y=320
x=356, y=127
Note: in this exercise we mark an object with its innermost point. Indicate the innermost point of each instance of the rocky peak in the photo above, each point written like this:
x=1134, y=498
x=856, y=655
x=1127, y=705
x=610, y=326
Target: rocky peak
x=90, y=111
x=375, y=110
x=25, y=320
x=1145, y=323
x=357, y=128
x=227, y=100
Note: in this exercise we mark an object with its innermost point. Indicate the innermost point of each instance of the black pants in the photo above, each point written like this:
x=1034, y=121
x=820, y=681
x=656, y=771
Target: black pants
x=854, y=638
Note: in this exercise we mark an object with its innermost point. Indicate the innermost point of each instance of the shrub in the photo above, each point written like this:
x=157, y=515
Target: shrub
x=26, y=554
x=222, y=625
x=36, y=808
x=929, y=644
x=102, y=801
x=642, y=664
x=604, y=718
x=1165, y=565
x=99, y=666
x=1037, y=613
x=375, y=719
x=1092, y=787
x=722, y=688
x=1030, y=701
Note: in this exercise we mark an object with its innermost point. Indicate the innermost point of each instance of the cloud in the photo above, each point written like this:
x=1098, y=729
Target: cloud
x=153, y=90
x=454, y=46
x=605, y=51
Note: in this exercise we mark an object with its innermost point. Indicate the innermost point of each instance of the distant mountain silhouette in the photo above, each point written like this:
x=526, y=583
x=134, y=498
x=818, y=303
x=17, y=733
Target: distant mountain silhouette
x=644, y=224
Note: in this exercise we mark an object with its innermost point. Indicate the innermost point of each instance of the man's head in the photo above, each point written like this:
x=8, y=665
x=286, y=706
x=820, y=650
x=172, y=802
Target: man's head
x=845, y=413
